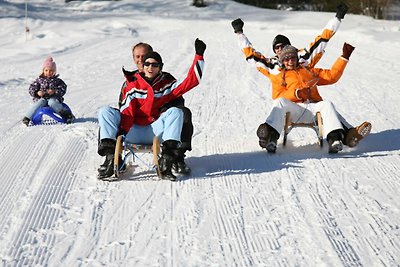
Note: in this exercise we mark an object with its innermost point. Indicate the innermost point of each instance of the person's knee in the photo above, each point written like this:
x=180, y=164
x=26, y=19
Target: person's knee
x=55, y=104
x=109, y=113
x=327, y=104
x=280, y=101
x=53, y=101
x=174, y=112
x=42, y=102
x=106, y=110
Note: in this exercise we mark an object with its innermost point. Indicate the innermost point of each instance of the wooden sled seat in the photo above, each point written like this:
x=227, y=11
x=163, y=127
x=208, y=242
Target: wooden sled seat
x=124, y=149
x=316, y=125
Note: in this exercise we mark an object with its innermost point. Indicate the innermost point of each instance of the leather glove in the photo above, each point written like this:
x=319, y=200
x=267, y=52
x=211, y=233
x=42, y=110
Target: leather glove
x=200, y=46
x=237, y=25
x=303, y=94
x=341, y=10
x=347, y=50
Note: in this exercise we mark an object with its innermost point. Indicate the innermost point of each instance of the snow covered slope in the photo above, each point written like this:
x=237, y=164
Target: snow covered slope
x=240, y=206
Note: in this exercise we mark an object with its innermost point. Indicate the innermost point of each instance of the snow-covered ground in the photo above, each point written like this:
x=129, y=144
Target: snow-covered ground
x=240, y=206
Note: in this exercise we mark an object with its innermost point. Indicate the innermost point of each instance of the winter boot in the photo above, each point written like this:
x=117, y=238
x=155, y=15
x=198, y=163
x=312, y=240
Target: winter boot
x=335, y=139
x=355, y=135
x=165, y=165
x=106, y=147
x=179, y=166
x=268, y=137
x=67, y=116
x=273, y=141
x=26, y=121
x=262, y=133
x=107, y=168
x=167, y=159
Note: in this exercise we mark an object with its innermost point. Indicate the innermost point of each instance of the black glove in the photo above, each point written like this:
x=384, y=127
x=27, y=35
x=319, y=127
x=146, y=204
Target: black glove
x=347, y=50
x=237, y=25
x=341, y=10
x=200, y=46
x=121, y=132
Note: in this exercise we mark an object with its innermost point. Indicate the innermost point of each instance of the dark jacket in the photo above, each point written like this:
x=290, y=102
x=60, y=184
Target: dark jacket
x=44, y=84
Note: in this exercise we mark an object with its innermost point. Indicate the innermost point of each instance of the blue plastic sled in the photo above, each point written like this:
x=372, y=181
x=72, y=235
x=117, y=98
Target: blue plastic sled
x=47, y=115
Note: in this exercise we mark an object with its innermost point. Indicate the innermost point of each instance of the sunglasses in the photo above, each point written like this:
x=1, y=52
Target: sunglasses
x=279, y=46
x=289, y=58
x=153, y=64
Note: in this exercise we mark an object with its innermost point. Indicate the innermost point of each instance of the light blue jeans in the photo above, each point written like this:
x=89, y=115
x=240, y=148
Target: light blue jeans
x=51, y=102
x=167, y=127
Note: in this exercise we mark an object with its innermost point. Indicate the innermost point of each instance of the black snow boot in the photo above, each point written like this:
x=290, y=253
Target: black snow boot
x=107, y=168
x=67, y=116
x=106, y=147
x=165, y=165
x=26, y=121
x=268, y=137
x=335, y=141
x=179, y=166
x=167, y=159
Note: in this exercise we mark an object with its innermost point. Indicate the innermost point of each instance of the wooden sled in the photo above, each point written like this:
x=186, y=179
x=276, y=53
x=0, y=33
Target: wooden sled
x=316, y=125
x=125, y=149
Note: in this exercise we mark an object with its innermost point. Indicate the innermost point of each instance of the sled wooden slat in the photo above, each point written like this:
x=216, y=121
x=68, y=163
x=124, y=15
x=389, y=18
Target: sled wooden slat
x=124, y=149
x=315, y=125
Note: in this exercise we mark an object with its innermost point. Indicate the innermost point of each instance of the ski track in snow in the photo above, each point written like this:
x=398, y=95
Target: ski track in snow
x=241, y=206
x=39, y=192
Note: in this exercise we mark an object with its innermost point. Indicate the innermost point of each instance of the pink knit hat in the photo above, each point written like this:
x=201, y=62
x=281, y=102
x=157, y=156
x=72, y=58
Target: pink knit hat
x=49, y=63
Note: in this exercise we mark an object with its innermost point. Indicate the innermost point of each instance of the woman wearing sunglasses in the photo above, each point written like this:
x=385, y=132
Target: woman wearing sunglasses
x=141, y=99
x=306, y=58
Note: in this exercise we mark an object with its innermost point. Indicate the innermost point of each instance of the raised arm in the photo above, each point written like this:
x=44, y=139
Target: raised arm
x=263, y=64
x=331, y=76
x=310, y=57
x=194, y=76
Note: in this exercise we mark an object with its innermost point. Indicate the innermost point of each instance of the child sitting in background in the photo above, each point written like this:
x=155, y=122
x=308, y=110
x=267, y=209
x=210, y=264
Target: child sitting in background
x=48, y=90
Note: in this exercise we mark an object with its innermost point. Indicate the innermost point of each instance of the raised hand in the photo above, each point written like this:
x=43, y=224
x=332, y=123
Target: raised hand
x=237, y=25
x=347, y=50
x=200, y=46
x=341, y=10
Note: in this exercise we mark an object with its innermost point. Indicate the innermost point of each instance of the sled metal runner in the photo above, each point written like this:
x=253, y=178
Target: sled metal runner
x=316, y=125
x=123, y=150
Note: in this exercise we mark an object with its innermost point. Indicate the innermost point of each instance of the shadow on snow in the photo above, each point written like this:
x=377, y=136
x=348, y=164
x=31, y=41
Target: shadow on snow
x=253, y=162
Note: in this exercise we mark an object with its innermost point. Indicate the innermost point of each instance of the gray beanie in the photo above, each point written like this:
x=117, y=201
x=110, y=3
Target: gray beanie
x=288, y=52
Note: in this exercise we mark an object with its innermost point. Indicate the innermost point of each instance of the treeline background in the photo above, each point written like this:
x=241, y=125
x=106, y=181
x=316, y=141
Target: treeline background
x=378, y=9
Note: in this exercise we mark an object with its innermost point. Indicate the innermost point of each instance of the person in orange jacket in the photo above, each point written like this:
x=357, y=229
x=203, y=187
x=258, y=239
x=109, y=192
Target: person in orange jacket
x=306, y=58
x=298, y=94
